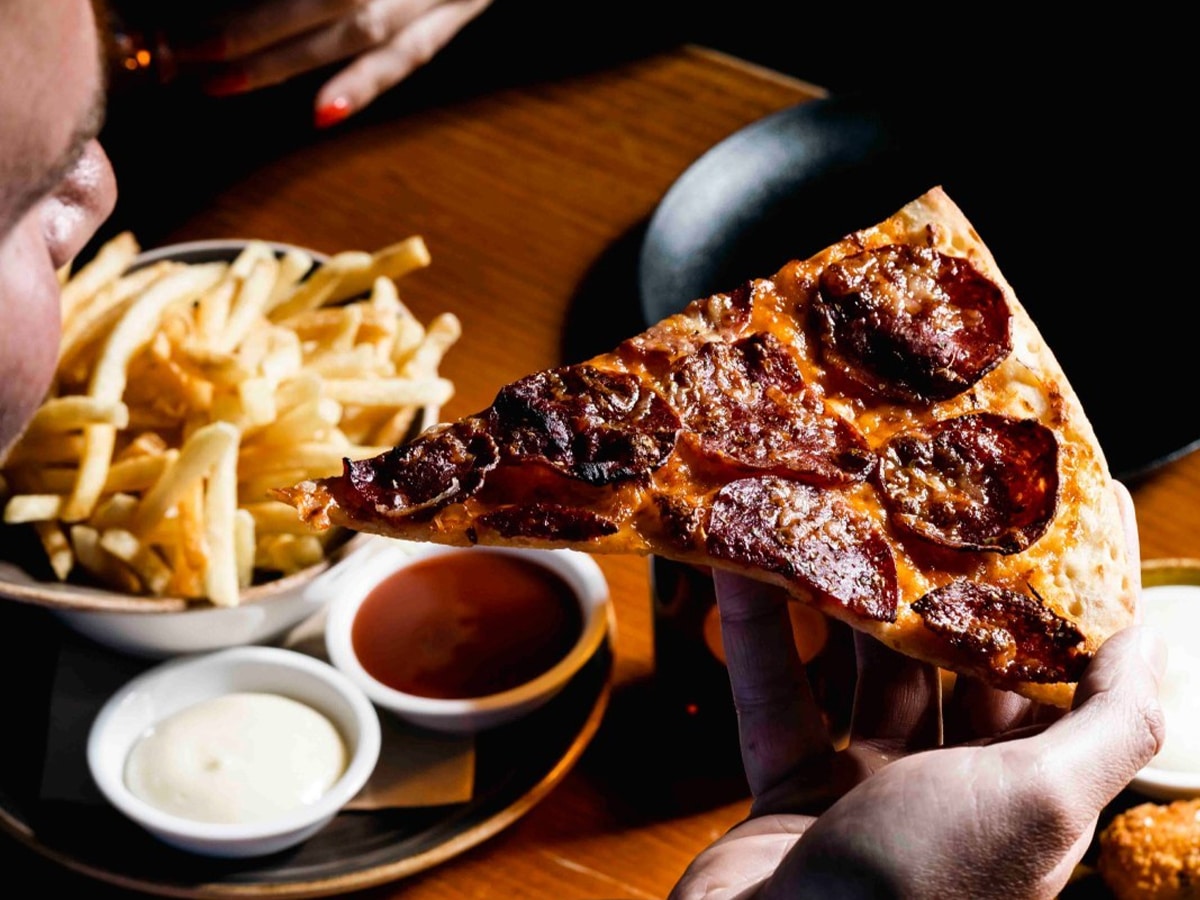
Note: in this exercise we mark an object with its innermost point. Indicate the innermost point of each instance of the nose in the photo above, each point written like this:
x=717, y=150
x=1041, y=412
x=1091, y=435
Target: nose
x=82, y=201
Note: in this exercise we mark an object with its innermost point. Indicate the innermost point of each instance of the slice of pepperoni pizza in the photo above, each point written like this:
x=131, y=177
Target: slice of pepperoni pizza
x=880, y=429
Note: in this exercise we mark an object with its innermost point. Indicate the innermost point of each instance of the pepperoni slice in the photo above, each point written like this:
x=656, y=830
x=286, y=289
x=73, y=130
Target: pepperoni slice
x=809, y=535
x=976, y=482
x=746, y=402
x=548, y=521
x=911, y=323
x=1012, y=635
x=444, y=466
x=599, y=427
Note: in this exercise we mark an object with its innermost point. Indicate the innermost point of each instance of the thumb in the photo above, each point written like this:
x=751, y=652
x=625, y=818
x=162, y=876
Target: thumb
x=1117, y=725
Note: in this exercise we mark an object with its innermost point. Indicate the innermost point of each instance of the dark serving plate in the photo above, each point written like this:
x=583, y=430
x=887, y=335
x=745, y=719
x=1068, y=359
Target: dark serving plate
x=516, y=766
x=787, y=185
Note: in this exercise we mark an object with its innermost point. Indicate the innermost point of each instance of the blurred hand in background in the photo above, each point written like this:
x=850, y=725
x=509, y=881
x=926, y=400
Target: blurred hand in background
x=246, y=46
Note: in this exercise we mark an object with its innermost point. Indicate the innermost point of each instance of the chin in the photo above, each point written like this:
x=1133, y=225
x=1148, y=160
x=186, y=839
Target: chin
x=28, y=358
x=16, y=409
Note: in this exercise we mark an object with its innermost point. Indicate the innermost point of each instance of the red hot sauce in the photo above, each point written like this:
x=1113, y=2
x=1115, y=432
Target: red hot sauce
x=465, y=625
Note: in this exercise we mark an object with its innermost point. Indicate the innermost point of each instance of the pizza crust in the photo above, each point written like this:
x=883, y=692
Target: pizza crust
x=1077, y=568
x=1080, y=565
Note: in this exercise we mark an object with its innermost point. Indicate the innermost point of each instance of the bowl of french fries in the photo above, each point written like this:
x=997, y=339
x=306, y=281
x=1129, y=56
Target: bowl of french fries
x=192, y=380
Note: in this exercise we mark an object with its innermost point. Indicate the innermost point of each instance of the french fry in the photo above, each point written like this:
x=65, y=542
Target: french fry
x=293, y=266
x=109, y=263
x=199, y=455
x=59, y=414
x=257, y=402
x=396, y=428
x=212, y=309
x=249, y=304
x=91, y=322
x=320, y=287
x=357, y=362
x=252, y=254
x=46, y=450
x=312, y=457
x=245, y=541
x=147, y=443
x=256, y=488
x=138, y=473
x=287, y=553
x=115, y=511
x=274, y=517
x=142, y=560
x=391, y=262
x=311, y=420
x=136, y=328
x=99, y=563
x=220, y=506
x=186, y=392
x=441, y=334
x=58, y=548
x=32, y=508
x=98, y=444
x=132, y=332
x=428, y=390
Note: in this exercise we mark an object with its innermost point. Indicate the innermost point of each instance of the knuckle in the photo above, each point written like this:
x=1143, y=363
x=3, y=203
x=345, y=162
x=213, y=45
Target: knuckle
x=422, y=46
x=1154, y=727
x=370, y=25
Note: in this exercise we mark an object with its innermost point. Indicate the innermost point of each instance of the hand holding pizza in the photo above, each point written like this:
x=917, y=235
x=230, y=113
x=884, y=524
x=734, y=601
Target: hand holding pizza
x=1007, y=812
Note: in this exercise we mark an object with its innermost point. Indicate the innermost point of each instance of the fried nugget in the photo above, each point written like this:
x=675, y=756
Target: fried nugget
x=1152, y=852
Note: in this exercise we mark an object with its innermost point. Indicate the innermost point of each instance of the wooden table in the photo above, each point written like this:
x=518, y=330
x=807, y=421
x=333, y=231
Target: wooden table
x=532, y=200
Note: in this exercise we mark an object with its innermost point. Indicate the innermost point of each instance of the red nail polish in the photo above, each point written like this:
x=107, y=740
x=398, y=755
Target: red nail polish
x=227, y=83
x=331, y=113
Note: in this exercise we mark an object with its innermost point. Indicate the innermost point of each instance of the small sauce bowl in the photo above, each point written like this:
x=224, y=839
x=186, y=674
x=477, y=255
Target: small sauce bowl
x=460, y=640
x=158, y=695
x=1170, y=601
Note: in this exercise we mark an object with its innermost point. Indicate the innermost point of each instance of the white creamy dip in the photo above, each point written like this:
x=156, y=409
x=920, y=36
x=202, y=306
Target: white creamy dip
x=1174, y=611
x=243, y=757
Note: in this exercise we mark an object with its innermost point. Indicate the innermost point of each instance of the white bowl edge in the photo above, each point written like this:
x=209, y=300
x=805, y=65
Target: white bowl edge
x=174, y=685
x=464, y=716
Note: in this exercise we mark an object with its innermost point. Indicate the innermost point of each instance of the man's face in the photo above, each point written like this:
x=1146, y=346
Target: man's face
x=56, y=185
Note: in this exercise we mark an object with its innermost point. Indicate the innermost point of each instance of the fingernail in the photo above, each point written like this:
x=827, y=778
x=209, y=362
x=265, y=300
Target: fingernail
x=332, y=112
x=1153, y=649
x=227, y=83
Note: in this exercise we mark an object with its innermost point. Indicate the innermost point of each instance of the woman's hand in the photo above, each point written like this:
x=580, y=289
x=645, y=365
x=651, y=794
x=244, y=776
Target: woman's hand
x=270, y=41
x=1007, y=812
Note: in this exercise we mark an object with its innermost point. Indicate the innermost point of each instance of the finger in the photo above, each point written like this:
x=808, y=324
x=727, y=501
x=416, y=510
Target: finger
x=779, y=722
x=254, y=26
x=976, y=711
x=897, y=701
x=1116, y=726
x=375, y=72
x=369, y=26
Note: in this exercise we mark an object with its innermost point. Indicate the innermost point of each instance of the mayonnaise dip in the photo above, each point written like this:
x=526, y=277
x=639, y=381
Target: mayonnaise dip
x=1174, y=611
x=242, y=757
